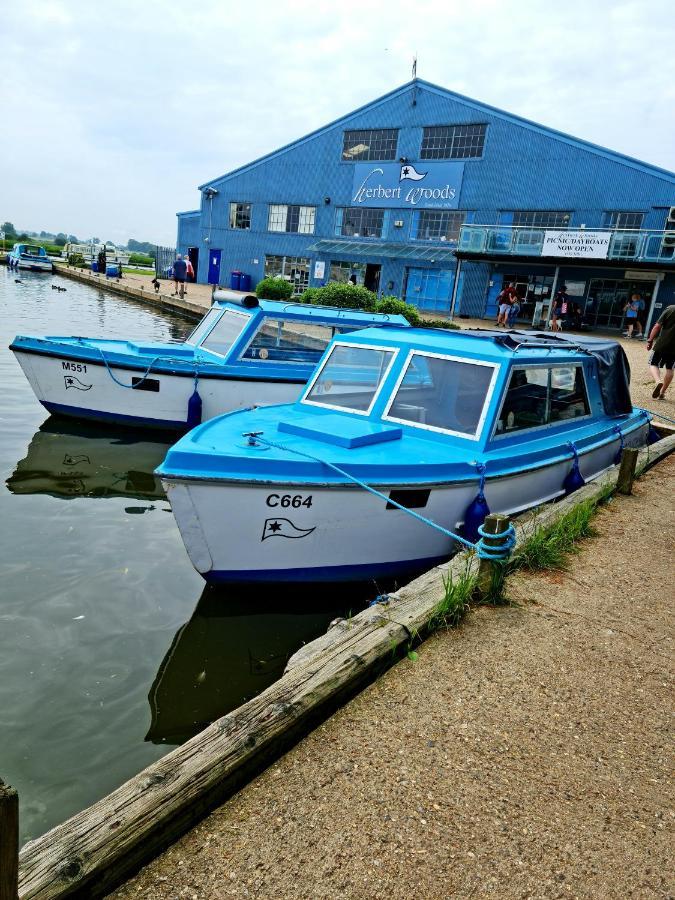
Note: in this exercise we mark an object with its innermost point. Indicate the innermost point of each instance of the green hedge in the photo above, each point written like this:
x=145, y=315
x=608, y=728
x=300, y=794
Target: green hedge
x=274, y=289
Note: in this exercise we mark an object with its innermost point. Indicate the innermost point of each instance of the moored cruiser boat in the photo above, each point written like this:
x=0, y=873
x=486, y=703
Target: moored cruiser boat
x=244, y=352
x=424, y=418
x=28, y=256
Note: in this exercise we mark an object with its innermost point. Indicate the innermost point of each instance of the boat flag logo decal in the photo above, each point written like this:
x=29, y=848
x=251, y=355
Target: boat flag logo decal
x=283, y=528
x=71, y=381
x=410, y=173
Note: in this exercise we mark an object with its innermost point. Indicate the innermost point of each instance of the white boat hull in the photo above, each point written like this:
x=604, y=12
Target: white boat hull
x=33, y=265
x=345, y=533
x=83, y=390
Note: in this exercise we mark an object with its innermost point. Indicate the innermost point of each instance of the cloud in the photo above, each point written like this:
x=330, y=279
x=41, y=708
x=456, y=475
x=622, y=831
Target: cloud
x=113, y=115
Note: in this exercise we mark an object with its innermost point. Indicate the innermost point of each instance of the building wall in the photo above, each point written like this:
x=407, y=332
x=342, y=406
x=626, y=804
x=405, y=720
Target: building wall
x=524, y=167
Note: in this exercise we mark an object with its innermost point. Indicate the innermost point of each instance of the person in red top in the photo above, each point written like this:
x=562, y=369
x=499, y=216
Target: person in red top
x=504, y=301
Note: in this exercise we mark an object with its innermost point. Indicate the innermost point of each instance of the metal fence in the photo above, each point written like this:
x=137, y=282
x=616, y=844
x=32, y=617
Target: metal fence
x=164, y=257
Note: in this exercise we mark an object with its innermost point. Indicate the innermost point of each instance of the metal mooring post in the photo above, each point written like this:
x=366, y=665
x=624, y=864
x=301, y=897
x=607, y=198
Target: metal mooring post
x=624, y=483
x=491, y=571
x=9, y=843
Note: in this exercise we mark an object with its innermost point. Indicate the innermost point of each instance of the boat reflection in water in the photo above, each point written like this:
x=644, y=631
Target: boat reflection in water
x=76, y=459
x=234, y=646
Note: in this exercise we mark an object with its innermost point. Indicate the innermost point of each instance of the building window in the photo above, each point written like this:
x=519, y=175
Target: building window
x=240, y=216
x=453, y=141
x=354, y=221
x=436, y=225
x=617, y=220
x=343, y=271
x=538, y=218
x=370, y=143
x=295, y=219
x=292, y=268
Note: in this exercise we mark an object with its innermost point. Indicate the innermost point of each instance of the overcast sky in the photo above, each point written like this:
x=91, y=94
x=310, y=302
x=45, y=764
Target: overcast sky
x=112, y=114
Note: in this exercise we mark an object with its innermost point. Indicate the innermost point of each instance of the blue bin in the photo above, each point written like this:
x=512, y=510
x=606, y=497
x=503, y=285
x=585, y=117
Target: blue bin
x=235, y=280
x=244, y=282
x=94, y=267
x=112, y=270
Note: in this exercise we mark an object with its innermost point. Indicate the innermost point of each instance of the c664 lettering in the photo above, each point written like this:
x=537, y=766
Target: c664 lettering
x=286, y=501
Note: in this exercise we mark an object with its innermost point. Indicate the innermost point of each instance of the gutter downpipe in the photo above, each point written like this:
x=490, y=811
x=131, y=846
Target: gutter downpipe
x=554, y=289
x=652, y=307
x=458, y=269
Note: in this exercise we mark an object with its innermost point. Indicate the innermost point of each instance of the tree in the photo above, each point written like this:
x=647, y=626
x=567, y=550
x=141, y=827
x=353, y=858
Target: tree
x=60, y=239
x=8, y=228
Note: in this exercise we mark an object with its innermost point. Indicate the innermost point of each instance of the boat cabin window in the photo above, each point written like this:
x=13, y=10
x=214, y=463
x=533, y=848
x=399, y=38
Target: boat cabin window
x=294, y=341
x=543, y=395
x=196, y=336
x=226, y=331
x=441, y=393
x=350, y=377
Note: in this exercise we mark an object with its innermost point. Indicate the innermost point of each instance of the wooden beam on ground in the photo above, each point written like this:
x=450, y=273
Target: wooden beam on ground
x=99, y=847
x=9, y=843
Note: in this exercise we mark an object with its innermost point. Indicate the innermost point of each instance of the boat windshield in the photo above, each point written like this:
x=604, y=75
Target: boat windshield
x=33, y=251
x=295, y=341
x=350, y=377
x=225, y=332
x=442, y=393
x=205, y=325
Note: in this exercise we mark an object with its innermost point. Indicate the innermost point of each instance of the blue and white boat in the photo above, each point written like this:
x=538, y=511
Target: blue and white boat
x=244, y=352
x=28, y=256
x=436, y=422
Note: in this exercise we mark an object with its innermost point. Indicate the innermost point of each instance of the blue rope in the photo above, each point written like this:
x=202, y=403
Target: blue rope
x=657, y=415
x=144, y=376
x=618, y=430
x=482, y=550
x=490, y=552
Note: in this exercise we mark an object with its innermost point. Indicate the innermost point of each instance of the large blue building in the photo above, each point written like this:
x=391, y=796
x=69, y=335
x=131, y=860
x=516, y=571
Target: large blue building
x=441, y=200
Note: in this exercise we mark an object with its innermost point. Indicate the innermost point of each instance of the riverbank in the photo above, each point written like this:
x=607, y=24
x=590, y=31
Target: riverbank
x=521, y=755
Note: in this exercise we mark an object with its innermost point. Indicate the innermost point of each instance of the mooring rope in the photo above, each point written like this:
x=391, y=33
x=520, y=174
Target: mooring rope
x=145, y=374
x=479, y=547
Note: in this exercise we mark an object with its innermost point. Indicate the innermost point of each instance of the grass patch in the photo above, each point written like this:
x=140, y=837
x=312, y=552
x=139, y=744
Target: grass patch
x=452, y=608
x=549, y=548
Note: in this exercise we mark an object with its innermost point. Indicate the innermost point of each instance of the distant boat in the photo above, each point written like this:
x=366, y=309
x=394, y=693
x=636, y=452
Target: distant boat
x=29, y=256
x=244, y=352
x=445, y=424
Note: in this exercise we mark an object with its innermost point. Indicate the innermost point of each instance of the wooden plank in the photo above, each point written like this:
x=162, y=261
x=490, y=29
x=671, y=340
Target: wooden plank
x=100, y=846
x=9, y=843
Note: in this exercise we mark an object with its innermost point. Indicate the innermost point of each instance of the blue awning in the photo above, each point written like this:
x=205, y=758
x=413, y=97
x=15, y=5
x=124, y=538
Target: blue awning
x=344, y=249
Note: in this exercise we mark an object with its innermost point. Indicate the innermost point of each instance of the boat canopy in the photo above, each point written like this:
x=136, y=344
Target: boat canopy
x=613, y=367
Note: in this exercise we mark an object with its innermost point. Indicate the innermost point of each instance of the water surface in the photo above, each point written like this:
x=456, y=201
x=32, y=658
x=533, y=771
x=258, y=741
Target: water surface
x=111, y=648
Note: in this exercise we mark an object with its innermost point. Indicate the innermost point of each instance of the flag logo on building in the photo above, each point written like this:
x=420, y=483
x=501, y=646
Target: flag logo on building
x=71, y=381
x=410, y=173
x=283, y=528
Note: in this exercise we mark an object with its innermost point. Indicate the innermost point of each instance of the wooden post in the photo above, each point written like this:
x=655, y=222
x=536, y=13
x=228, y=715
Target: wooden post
x=624, y=483
x=491, y=571
x=9, y=843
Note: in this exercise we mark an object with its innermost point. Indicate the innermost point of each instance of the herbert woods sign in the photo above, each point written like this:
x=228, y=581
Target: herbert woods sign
x=402, y=185
x=577, y=244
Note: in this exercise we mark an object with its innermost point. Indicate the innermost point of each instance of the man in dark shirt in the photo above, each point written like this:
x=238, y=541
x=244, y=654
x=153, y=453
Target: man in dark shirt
x=179, y=275
x=662, y=339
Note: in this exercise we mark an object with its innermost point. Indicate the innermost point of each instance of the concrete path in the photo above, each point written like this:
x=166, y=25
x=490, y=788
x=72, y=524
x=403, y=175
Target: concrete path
x=525, y=754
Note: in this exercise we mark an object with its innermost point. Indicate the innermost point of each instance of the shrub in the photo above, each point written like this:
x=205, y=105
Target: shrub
x=310, y=295
x=347, y=296
x=395, y=307
x=77, y=260
x=274, y=289
x=439, y=323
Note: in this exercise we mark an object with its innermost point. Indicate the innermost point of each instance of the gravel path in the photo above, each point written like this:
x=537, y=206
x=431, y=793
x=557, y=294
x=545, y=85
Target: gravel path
x=525, y=754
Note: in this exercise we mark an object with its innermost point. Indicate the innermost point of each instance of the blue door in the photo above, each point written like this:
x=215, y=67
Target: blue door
x=431, y=289
x=214, y=266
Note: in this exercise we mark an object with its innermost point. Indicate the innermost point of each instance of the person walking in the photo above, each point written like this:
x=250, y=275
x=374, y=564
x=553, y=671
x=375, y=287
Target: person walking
x=179, y=276
x=561, y=303
x=661, y=343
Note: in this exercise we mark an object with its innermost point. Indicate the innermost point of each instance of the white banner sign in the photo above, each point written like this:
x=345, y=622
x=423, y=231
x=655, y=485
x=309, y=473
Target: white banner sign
x=577, y=244
x=319, y=269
